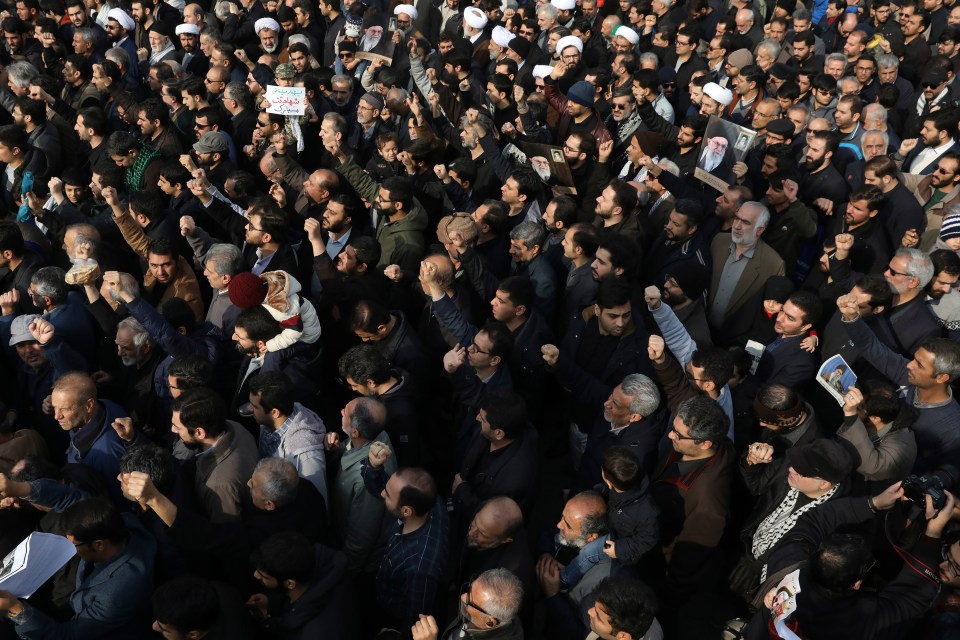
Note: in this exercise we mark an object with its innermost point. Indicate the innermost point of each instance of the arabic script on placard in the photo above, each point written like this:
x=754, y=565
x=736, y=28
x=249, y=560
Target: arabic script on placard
x=286, y=101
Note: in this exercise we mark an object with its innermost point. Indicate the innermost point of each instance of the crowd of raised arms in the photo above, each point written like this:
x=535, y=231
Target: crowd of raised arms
x=573, y=320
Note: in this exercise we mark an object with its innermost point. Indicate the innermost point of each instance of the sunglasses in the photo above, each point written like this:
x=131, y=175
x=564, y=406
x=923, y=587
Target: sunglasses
x=618, y=107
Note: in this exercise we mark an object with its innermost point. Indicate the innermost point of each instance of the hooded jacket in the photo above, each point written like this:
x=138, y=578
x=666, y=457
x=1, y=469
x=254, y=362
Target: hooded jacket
x=401, y=242
x=302, y=445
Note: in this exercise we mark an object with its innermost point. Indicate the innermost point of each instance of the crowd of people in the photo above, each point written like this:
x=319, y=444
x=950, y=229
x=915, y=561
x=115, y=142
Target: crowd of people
x=573, y=319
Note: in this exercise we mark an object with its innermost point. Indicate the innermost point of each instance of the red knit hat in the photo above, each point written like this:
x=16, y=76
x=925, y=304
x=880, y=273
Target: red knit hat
x=247, y=290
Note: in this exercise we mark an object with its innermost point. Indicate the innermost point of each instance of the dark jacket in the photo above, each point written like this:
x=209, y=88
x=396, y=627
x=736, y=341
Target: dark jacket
x=321, y=612
x=586, y=390
x=641, y=437
x=784, y=362
x=510, y=471
x=853, y=614
x=634, y=520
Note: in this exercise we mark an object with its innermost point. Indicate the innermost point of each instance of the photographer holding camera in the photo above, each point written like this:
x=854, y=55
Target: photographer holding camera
x=832, y=567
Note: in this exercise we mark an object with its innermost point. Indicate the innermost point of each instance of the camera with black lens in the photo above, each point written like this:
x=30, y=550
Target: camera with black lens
x=916, y=488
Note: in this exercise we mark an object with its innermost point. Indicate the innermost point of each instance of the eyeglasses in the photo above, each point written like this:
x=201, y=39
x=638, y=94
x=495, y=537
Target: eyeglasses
x=473, y=347
x=380, y=198
x=250, y=226
x=893, y=272
x=209, y=81
x=676, y=434
x=465, y=590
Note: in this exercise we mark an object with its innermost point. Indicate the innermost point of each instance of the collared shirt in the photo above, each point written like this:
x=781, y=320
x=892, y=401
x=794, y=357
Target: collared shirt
x=729, y=277
x=928, y=155
x=334, y=247
x=262, y=263
x=270, y=439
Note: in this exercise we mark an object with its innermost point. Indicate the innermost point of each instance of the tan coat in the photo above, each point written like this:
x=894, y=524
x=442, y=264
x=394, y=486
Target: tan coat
x=184, y=285
x=922, y=189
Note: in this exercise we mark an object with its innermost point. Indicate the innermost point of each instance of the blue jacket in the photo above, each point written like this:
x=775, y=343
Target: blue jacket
x=111, y=600
x=203, y=342
x=105, y=453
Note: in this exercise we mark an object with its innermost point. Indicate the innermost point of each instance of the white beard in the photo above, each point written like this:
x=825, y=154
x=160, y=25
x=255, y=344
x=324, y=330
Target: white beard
x=711, y=160
x=271, y=48
x=367, y=43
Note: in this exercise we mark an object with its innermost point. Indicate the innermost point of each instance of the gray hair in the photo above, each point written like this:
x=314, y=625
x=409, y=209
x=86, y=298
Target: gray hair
x=669, y=166
x=644, y=393
x=342, y=78
x=770, y=46
x=547, y=11
x=802, y=14
x=338, y=122
x=280, y=480
x=506, y=593
x=225, y=259
x=222, y=10
x=141, y=336
x=834, y=56
x=23, y=73
x=746, y=14
x=853, y=79
x=875, y=132
x=801, y=107
x=51, y=282
x=118, y=56
x=368, y=417
x=530, y=234
x=705, y=419
x=649, y=56
x=919, y=265
x=888, y=61
x=238, y=91
x=875, y=111
x=946, y=356
x=763, y=217
x=87, y=34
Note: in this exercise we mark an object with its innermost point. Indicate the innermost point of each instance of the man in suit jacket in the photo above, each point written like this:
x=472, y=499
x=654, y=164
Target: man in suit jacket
x=937, y=139
x=742, y=262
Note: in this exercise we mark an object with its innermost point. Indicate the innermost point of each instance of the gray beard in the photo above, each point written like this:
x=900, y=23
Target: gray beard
x=367, y=44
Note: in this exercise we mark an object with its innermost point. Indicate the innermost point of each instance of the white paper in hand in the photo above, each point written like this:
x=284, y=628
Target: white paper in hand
x=33, y=562
x=286, y=101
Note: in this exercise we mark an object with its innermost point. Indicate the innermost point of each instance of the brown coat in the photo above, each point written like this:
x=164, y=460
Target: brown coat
x=184, y=285
x=922, y=189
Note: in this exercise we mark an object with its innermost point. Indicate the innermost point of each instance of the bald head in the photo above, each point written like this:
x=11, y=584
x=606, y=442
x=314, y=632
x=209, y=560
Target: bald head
x=364, y=418
x=81, y=240
x=497, y=523
x=588, y=504
x=76, y=385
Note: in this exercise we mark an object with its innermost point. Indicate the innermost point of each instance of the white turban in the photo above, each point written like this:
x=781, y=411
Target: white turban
x=627, y=34
x=718, y=93
x=187, y=28
x=501, y=36
x=408, y=9
x=564, y=5
x=121, y=16
x=569, y=41
x=542, y=71
x=266, y=23
x=474, y=17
